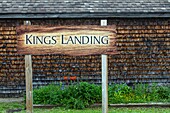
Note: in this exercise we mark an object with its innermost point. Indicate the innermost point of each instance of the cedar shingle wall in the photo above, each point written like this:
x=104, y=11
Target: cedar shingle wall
x=144, y=46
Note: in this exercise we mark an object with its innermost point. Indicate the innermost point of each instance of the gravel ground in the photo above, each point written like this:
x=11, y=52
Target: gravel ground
x=12, y=99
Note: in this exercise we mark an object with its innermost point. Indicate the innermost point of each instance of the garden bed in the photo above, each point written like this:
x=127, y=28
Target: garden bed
x=82, y=95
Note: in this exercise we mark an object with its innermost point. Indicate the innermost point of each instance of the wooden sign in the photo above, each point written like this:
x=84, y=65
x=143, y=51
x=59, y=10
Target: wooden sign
x=69, y=40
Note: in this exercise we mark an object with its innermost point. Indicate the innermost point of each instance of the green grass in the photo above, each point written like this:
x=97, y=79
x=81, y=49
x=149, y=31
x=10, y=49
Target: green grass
x=6, y=106
x=111, y=110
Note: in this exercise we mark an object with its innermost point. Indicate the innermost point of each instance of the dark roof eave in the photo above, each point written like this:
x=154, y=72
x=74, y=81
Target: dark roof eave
x=84, y=15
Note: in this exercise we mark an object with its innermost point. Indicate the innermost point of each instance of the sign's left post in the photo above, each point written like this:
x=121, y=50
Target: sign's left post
x=28, y=78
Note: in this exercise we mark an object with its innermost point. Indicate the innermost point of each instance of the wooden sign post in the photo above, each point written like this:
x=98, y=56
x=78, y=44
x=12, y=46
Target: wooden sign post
x=68, y=40
x=28, y=78
x=104, y=78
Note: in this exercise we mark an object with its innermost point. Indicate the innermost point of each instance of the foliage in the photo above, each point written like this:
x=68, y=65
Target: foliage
x=140, y=93
x=82, y=95
x=119, y=93
x=50, y=94
x=74, y=96
x=160, y=93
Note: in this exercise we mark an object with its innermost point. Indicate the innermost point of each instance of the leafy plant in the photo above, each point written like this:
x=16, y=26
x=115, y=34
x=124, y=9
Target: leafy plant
x=164, y=93
x=119, y=93
x=50, y=94
x=83, y=94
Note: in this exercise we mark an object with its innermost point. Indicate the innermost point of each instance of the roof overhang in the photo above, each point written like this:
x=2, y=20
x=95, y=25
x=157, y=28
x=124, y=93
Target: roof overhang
x=83, y=15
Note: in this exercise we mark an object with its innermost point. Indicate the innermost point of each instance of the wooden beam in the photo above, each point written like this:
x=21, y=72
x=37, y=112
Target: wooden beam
x=28, y=77
x=104, y=78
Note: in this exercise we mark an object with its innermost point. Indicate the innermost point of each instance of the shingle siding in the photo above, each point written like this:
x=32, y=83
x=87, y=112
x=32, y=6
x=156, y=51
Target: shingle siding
x=144, y=46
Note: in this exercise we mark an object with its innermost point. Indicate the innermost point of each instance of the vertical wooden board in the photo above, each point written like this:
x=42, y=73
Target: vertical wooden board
x=28, y=77
x=104, y=78
x=104, y=84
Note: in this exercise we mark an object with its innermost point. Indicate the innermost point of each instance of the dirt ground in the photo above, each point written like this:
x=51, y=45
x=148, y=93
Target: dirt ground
x=12, y=99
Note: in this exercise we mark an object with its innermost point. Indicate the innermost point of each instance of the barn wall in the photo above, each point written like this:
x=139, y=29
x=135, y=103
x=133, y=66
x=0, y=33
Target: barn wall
x=143, y=44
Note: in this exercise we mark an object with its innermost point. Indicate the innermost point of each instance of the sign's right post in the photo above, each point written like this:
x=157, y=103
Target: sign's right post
x=104, y=77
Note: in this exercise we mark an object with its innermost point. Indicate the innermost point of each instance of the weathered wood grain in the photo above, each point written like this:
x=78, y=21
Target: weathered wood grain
x=104, y=65
x=28, y=79
x=66, y=31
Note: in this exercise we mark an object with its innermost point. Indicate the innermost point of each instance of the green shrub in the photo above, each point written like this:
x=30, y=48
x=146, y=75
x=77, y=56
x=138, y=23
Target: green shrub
x=50, y=94
x=119, y=93
x=82, y=95
x=164, y=93
x=141, y=93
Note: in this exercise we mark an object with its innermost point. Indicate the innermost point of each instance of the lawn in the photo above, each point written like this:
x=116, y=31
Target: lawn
x=5, y=106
